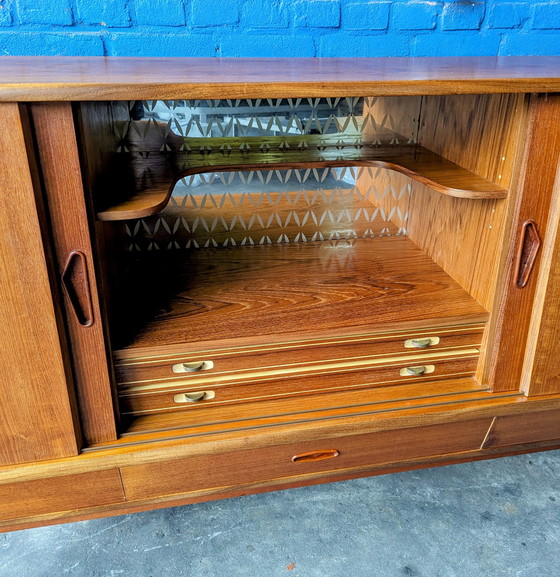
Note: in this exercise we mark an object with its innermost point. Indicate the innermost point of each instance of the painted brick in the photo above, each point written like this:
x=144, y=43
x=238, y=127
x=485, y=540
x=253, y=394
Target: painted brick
x=5, y=13
x=280, y=27
x=267, y=45
x=37, y=12
x=508, y=15
x=459, y=44
x=530, y=44
x=214, y=13
x=50, y=44
x=344, y=44
x=264, y=14
x=111, y=13
x=415, y=15
x=317, y=13
x=464, y=15
x=159, y=44
x=546, y=16
x=366, y=16
x=160, y=12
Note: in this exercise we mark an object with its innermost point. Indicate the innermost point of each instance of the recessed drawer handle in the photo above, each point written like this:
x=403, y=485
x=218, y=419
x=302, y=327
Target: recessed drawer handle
x=421, y=343
x=417, y=371
x=194, y=397
x=315, y=456
x=192, y=367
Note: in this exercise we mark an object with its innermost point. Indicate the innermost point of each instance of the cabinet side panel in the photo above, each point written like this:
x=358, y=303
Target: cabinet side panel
x=36, y=421
x=465, y=237
x=477, y=132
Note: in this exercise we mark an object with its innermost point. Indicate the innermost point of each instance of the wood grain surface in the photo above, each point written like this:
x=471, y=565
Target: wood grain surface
x=252, y=295
x=60, y=165
x=526, y=428
x=246, y=467
x=37, y=414
x=542, y=369
x=62, y=493
x=131, y=369
x=318, y=379
x=101, y=78
x=534, y=199
x=481, y=134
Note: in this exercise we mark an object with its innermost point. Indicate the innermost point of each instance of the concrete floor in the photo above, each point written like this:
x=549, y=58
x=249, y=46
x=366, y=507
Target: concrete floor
x=491, y=518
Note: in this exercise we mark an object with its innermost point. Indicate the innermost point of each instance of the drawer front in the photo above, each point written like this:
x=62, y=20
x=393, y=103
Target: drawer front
x=300, y=461
x=31, y=499
x=227, y=365
x=429, y=366
x=524, y=428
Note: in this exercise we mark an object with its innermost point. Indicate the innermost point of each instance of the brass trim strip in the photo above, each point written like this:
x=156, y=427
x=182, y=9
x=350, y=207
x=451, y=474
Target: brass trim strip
x=121, y=360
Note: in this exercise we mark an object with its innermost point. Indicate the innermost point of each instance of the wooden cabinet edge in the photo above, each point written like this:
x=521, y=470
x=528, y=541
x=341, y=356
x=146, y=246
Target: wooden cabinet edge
x=534, y=427
x=128, y=506
x=511, y=432
x=163, y=451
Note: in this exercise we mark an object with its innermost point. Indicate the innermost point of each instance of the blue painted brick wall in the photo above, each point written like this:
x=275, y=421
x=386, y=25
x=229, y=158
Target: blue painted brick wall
x=279, y=27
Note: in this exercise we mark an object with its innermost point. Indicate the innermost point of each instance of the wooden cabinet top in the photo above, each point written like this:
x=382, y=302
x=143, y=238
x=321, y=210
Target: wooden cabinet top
x=30, y=78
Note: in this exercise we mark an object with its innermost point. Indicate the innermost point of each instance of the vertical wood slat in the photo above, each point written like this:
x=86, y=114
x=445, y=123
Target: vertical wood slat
x=36, y=418
x=542, y=370
x=58, y=152
x=534, y=198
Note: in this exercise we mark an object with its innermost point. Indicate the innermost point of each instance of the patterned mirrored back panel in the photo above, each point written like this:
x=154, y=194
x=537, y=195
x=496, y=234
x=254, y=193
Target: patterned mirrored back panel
x=268, y=206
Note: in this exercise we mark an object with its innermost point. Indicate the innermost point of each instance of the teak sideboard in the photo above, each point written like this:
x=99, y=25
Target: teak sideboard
x=228, y=276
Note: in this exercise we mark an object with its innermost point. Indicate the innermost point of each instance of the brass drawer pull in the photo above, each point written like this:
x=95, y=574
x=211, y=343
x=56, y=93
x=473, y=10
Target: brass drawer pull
x=417, y=371
x=315, y=456
x=192, y=367
x=421, y=343
x=194, y=397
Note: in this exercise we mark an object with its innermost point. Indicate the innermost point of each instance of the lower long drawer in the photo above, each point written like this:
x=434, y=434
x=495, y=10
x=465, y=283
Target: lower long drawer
x=350, y=375
x=292, y=463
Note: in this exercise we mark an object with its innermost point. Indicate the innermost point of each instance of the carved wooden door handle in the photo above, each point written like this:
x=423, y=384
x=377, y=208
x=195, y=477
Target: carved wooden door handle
x=75, y=282
x=527, y=251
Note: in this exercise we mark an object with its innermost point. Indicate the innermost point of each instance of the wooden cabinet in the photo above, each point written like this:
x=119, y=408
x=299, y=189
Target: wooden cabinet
x=303, y=272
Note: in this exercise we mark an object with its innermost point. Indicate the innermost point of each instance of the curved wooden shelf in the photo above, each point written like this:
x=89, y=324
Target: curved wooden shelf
x=150, y=176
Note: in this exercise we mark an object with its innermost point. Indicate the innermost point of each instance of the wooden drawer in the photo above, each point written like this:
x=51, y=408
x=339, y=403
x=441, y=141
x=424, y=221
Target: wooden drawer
x=316, y=378
x=299, y=461
x=139, y=368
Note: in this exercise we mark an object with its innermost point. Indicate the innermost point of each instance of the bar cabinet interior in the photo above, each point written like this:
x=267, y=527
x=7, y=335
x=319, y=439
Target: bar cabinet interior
x=223, y=288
